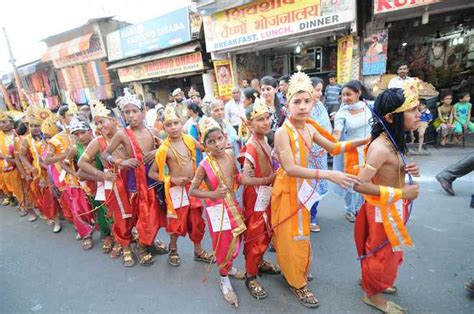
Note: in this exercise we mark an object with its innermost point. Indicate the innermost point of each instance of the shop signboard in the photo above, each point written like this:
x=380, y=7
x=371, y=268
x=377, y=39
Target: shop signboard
x=162, y=32
x=374, y=60
x=162, y=67
x=345, y=47
x=269, y=19
x=383, y=6
x=224, y=77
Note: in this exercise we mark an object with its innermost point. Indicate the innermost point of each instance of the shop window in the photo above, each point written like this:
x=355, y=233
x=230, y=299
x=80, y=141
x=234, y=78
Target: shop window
x=310, y=60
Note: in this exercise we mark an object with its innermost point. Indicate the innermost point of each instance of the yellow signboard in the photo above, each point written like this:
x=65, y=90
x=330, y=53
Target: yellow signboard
x=345, y=47
x=163, y=67
x=224, y=77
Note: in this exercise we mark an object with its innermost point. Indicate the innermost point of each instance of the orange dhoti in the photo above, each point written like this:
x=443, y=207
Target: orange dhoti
x=37, y=194
x=188, y=220
x=13, y=183
x=379, y=270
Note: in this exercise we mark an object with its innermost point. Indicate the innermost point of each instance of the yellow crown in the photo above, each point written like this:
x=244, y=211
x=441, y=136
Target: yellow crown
x=49, y=126
x=299, y=82
x=258, y=108
x=72, y=106
x=11, y=115
x=207, y=124
x=36, y=115
x=411, y=93
x=170, y=114
x=98, y=109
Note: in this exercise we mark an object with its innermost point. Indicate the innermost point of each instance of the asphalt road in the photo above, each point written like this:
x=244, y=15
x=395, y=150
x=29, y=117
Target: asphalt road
x=49, y=273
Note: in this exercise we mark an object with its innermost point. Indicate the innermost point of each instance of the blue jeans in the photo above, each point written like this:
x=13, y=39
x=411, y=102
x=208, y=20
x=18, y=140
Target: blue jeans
x=314, y=212
x=353, y=201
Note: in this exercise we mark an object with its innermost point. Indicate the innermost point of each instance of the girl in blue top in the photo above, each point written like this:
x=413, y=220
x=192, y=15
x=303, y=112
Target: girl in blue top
x=462, y=115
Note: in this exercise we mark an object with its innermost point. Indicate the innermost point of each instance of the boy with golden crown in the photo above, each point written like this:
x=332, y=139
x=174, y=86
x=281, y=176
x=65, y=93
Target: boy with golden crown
x=140, y=145
x=59, y=146
x=226, y=224
x=116, y=197
x=292, y=194
x=30, y=153
x=10, y=172
x=175, y=166
x=256, y=158
x=51, y=194
x=380, y=231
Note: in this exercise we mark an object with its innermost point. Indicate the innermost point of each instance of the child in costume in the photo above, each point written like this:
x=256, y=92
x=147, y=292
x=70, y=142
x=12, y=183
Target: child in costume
x=225, y=220
x=380, y=231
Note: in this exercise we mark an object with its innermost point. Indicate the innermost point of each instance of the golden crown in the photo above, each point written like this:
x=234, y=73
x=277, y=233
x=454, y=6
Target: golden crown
x=411, y=93
x=170, y=113
x=299, y=82
x=72, y=106
x=207, y=124
x=98, y=109
x=36, y=114
x=49, y=126
x=11, y=115
x=259, y=107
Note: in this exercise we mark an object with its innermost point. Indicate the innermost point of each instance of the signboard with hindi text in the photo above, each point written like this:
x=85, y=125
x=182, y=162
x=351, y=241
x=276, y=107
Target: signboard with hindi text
x=162, y=32
x=268, y=19
x=162, y=67
x=383, y=6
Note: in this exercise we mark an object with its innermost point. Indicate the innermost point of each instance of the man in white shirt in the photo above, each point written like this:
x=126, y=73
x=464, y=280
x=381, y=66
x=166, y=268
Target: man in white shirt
x=150, y=114
x=397, y=82
x=234, y=109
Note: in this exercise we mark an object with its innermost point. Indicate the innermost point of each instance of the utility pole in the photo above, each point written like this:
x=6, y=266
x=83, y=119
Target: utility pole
x=19, y=85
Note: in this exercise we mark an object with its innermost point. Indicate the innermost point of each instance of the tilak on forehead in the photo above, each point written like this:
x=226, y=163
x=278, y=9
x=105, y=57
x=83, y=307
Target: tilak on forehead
x=128, y=99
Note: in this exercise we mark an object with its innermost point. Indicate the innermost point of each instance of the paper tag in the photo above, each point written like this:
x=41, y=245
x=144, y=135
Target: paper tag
x=176, y=192
x=398, y=206
x=307, y=195
x=100, y=194
x=264, y=195
x=215, y=215
x=62, y=175
x=108, y=185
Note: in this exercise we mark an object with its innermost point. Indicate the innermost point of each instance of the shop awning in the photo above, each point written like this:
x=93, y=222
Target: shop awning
x=28, y=69
x=175, y=51
x=67, y=48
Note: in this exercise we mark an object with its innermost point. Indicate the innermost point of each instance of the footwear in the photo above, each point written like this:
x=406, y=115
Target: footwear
x=128, y=260
x=107, y=245
x=229, y=296
x=173, y=258
x=469, y=286
x=255, y=288
x=6, y=201
x=237, y=274
x=87, y=244
x=56, y=228
x=350, y=217
x=445, y=184
x=22, y=213
x=391, y=308
x=144, y=257
x=32, y=217
x=266, y=267
x=158, y=248
x=204, y=257
x=305, y=296
x=116, y=251
x=314, y=228
x=78, y=237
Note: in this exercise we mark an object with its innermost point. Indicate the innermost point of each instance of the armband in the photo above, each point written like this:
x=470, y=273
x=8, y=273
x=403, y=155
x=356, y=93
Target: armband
x=341, y=147
x=86, y=156
x=368, y=166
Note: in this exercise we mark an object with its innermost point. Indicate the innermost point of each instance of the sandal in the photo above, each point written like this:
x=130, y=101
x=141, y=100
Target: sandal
x=32, y=217
x=230, y=296
x=158, y=248
x=56, y=228
x=107, y=245
x=173, y=258
x=116, y=251
x=87, y=244
x=204, y=257
x=144, y=257
x=128, y=260
x=266, y=267
x=22, y=213
x=237, y=274
x=391, y=308
x=305, y=296
x=256, y=290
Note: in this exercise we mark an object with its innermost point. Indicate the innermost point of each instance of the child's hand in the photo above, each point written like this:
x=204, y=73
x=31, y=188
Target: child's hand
x=410, y=192
x=413, y=169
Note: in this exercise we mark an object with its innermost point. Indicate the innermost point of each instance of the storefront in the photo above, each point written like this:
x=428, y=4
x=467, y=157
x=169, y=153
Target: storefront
x=435, y=38
x=156, y=56
x=79, y=57
x=269, y=37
